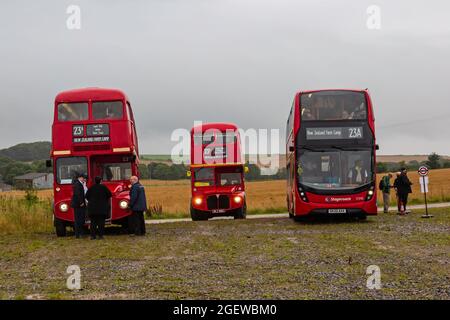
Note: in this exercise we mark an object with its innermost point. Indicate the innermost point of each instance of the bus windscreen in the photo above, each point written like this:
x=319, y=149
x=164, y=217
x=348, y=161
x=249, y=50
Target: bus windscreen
x=335, y=169
x=333, y=105
x=67, y=169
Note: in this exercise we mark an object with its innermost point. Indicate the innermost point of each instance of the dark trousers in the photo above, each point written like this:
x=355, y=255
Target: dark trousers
x=402, y=200
x=97, y=226
x=137, y=223
x=80, y=217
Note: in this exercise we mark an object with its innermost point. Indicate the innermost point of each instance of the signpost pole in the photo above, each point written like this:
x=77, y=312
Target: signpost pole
x=425, y=195
x=423, y=172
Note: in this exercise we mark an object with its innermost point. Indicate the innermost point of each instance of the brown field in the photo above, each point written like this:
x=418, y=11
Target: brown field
x=380, y=158
x=263, y=196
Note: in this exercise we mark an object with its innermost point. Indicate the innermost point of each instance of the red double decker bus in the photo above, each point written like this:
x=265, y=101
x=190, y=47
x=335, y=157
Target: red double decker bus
x=330, y=154
x=217, y=172
x=93, y=133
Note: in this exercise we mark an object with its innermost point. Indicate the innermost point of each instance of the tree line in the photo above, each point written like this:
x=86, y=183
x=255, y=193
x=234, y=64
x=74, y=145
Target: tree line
x=434, y=161
x=164, y=171
x=10, y=168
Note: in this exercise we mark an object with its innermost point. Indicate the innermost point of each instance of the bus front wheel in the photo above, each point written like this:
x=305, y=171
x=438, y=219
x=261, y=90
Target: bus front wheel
x=241, y=213
x=300, y=218
x=362, y=216
x=60, y=228
x=196, y=215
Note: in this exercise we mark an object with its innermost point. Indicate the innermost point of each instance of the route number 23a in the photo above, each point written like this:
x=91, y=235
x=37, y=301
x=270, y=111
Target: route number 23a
x=355, y=133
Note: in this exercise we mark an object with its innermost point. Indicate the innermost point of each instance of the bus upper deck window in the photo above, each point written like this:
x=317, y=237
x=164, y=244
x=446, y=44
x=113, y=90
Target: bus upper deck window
x=73, y=111
x=333, y=105
x=107, y=110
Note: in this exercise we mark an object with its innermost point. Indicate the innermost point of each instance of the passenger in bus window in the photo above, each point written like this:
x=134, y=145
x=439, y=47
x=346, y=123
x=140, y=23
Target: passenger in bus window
x=307, y=114
x=63, y=114
x=358, y=109
x=330, y=110
x=358, y=174
x=108, y=174
x=110, y=113
x=316, y=106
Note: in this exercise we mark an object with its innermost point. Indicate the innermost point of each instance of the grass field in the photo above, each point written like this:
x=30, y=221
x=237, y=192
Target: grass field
x=245, y=259
x=262, y=196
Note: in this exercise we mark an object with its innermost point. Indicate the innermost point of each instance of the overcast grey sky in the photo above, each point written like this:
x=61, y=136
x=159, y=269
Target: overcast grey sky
x=228, y=60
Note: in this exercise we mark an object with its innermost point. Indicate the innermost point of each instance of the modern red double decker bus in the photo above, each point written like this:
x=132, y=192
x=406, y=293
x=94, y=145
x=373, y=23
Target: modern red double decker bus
x=217, y=172
x=330, y=154
x=93, y=133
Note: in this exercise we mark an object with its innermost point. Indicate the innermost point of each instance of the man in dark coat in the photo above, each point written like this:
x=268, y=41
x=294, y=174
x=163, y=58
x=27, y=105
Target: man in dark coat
x=78, y=204
x=138, y=205
x=403, y=186
x=98, y=197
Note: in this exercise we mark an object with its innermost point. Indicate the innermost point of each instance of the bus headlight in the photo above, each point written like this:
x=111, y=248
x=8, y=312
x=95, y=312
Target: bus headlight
x=370, y=193
x=237, y=199
x=198, y=201
x=63, y=207
x=123, y=204
x=302, y=195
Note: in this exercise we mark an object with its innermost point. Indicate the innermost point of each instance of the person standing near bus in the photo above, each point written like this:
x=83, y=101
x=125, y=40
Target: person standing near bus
x=138, y=205
x=98, y=197
x=403, y=187
x=385, y=187
x=78, y=204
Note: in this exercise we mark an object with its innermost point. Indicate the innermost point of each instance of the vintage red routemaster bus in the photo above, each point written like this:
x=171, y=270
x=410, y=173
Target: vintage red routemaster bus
x=93, y=133
x=330, y=154
x=217, y=172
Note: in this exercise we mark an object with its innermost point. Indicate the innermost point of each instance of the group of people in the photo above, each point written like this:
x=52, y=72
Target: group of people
x=95, y=202
x=402, y=186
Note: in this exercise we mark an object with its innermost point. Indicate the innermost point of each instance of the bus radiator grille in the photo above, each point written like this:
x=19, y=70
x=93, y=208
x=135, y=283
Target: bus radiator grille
x=224, y=202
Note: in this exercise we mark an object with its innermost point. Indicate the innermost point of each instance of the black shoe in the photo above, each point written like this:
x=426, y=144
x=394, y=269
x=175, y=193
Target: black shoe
x=92, y=238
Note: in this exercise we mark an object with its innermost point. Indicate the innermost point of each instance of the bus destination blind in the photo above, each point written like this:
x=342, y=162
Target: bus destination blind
x=93, y=133
x=334, y=133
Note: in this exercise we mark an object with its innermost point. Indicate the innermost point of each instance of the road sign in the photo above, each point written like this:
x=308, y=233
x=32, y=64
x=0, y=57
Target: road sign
x=423, y=184
x=423, y=171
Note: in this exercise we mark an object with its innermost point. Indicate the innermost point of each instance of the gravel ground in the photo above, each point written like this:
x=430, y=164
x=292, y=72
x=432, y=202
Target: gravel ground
x=227, y=259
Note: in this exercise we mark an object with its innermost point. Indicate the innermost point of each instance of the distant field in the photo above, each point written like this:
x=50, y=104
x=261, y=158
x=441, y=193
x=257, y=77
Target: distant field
x=406, y=158
x=263, y=196
x=146, y=158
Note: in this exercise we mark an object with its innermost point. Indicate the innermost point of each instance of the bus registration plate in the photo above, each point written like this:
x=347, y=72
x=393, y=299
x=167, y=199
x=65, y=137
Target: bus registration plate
x=333, y=211
x=218, y=211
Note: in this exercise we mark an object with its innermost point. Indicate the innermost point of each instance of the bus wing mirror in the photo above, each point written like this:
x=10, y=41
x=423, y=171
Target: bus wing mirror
x=48, y=163
x=291, y=148
x=246, y=169
x=377, y=147
x=188, y=173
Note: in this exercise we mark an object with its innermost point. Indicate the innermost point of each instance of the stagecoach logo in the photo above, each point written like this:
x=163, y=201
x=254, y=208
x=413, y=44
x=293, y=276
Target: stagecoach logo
x=333, y=199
